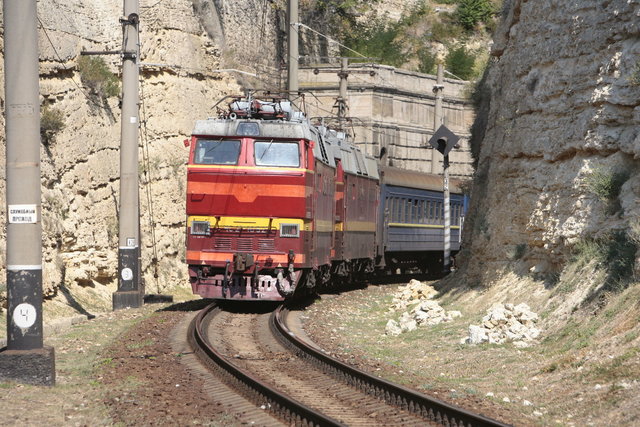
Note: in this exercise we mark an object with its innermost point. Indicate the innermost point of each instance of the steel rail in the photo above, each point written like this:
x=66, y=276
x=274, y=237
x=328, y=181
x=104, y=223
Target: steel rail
x=279, y=404
x=431, y=409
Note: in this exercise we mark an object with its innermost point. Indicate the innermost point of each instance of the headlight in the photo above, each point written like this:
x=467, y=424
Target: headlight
x=289, y=230
x=200, y=228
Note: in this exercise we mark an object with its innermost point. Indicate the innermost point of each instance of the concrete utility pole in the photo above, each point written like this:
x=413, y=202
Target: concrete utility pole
x=292, y=49
x=130, y=292
x=25, y=359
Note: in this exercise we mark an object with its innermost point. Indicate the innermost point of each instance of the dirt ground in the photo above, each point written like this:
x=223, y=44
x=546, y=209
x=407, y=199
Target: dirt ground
x=562, y=380
x=120, y=369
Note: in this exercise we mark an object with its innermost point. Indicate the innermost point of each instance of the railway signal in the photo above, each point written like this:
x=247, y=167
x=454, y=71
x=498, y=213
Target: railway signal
x=444, y=141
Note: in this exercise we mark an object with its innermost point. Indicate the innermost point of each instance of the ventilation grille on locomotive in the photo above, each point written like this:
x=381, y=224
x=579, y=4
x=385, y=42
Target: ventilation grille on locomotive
x=223, y=244
x=266, y=245
x=245, y=245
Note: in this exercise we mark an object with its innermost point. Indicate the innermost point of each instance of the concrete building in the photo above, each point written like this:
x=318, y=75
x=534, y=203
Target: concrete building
x=394, y=109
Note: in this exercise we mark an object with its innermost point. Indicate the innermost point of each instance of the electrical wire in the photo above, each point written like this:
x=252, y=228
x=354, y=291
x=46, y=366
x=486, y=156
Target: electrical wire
x=152, y=6
x=65, y=15
x=299, y=24
x=147, y=172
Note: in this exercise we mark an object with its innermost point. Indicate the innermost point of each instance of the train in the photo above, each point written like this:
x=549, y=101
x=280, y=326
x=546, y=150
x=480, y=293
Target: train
x=277, y=207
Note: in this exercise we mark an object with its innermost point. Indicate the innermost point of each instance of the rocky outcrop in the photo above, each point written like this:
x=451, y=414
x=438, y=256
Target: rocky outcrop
x=564, y=100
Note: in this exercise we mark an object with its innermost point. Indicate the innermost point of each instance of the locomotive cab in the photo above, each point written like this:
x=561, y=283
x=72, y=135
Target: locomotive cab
x=252, y=212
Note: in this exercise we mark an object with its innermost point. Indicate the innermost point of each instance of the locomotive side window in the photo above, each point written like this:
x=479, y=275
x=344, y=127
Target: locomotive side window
x=220, y=152
x=270, y=153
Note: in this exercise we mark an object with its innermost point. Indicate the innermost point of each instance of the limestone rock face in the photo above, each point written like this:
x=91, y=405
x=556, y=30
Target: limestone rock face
x=563, y=100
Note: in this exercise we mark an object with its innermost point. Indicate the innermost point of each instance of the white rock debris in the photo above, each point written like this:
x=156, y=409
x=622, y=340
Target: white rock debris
x=413, y=292
x=424, y=312
x=505, y=323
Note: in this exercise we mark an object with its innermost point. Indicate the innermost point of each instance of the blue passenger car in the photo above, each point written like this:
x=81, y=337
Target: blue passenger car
x=412, y=226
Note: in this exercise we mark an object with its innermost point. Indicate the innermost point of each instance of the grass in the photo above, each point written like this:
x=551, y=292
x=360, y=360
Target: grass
x=617, y=368
x=141, y=344
x=631, y=336
x=614, y=253
x=575, y=335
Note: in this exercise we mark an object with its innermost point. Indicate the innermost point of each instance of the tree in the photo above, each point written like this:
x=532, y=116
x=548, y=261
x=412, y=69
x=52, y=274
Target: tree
x=460, y=62
x=470, y=12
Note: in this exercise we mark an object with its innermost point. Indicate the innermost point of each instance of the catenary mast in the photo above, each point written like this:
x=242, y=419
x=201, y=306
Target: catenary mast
x=130, y=291
x=25, y=360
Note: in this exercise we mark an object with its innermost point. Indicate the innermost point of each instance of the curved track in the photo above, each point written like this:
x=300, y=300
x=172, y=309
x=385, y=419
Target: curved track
x=258, y=355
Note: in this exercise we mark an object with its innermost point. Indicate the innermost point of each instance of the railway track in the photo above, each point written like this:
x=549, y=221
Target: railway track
x=260, y=357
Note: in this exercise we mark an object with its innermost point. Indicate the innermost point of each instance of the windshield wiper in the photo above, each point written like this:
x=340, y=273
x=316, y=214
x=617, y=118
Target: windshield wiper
x=266, y=149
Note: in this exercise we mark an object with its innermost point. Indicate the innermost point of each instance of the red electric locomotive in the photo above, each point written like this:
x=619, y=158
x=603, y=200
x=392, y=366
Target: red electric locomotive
x=275, y=204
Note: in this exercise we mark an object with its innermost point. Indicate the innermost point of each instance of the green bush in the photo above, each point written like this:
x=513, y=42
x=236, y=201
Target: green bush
x=606, y=184
x=472, y=12
x=461, y=62
x=51, y=122
x=95, y=74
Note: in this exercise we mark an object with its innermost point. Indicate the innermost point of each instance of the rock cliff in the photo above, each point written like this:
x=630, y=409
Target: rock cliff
x=560, y=106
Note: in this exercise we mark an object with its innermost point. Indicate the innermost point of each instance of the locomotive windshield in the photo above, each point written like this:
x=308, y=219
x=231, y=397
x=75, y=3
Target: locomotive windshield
x=219, y=152
x=270, y=153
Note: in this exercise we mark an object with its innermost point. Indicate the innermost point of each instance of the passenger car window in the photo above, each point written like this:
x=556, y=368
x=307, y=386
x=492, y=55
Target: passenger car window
x=270, y=153
x=217, y=152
